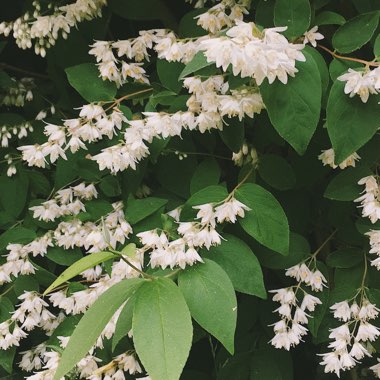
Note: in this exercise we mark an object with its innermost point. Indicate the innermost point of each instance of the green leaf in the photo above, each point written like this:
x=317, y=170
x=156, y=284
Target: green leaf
x=13, y=193
x=294, y=108
x=38, y=183
x=210, y=194
x=329, y=18
x=63, y=256
x=206, y=174
x=139, y=209
x=344, y=186
x=211, y=298
x=376, y=47
x=266, y=221
x=124, y=322
x=7, y=358
x=16, y=235
x=233, y=133
x=85, y=79
x=110, y=186
x=356, y=32
x=198, y=62
x=80, y=266
x=345, y=258
x=295, y=14
x=65, y=328
x=350, y=122
x=25, y=283
x=169, y=72
x=6, y=308
x=188, y=25
x=276, y=172
x=299, y=249
x=162, y=330
x=241, y=265
x=93, y=322
x=98, y=208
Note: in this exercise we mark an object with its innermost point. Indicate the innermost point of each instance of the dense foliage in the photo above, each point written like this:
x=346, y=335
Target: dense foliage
x=190, y=190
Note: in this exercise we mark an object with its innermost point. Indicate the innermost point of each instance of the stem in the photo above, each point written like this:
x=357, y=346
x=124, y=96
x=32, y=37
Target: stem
x=7, y=291
x=324, y=243
x=199, y=154
x=367, y=63
x=239, y=184
x=128, y=96
x=173, y=274
x=22, y=71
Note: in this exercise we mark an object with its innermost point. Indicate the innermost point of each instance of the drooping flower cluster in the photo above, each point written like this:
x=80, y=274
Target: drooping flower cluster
x=246, y=155
x=31, y=313
x=44, y=29
x=349, y=344
x=116, y=369
x=93, y=124
x=67, y=201
x=223, y=14
x=182, y=251
x=369, y=201
x=293, y=312
x=19, y=130
x=362, y=83
x=252, y=53
x=374, y=241
x=19, y=92
x=328, y=158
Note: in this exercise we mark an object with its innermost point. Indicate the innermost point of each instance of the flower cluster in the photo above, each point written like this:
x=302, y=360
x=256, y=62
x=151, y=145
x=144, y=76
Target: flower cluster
x=223, y=14
x=31, y=313
x=362, y=83
x=92, y=125
x=350, y=339
x=116, y=369
x=328, y=158
x=293, y=312
x=191, y=235
x=374, y=241
x=246, y=155
x=18, y=130
x=18, y=93
x=67, y=201
x=45, y=29
x=369, y=201
x=252, y=53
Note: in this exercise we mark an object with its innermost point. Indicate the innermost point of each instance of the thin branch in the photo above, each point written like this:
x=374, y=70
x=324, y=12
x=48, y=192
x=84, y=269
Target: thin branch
x=22, y=71
x=367, y=63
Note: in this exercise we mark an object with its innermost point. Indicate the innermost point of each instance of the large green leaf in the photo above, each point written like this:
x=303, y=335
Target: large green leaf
x=356, y=32
x=241, y=265
x=79, y=267
x=93, y=322
x=276, y=172
x=85, y=79
x=266, y=221
x=168, y=72
x=198, y=62
x=295, y=14
x=206, y=174
x=344, y=186
x=211, y=298
x=13, y=193
x=16, y=235
x=139, y=209
x=350, y=122
x=294, y=108
x=162, y=330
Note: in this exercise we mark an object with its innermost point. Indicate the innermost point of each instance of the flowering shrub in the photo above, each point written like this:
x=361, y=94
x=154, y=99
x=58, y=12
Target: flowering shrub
x=190, y=190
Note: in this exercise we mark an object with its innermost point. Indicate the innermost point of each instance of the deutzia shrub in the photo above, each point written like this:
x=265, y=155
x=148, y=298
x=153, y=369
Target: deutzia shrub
x=190, y=189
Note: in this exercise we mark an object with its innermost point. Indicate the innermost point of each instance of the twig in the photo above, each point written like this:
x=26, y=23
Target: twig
x=367, y=63
x=22, y=71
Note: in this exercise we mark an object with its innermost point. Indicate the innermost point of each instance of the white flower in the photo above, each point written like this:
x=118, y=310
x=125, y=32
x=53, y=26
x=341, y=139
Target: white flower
x=228, y=211
x=342, y=311
x=328, y=158
x=312, y=36
x=359, y=83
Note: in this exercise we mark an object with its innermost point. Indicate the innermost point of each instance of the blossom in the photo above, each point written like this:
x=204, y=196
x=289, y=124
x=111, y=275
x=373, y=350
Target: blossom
x=328, y=158
x=312, y=36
